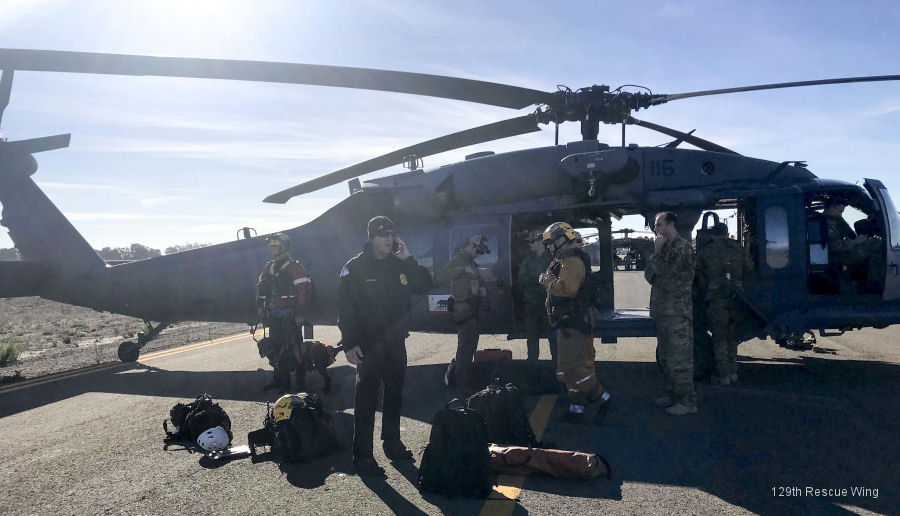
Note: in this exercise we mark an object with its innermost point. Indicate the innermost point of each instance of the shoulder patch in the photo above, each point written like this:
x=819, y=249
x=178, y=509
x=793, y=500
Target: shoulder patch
x=345, y=272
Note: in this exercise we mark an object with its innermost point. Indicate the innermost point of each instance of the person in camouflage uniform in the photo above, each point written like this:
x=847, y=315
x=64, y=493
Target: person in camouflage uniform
x=861, y=256
x=721, y=264
x=570, y=312
x=536, y=322
x=670, y=272
x=468, y=292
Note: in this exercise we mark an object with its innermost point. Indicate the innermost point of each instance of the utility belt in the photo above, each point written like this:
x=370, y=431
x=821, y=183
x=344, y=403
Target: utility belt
x=570, y=315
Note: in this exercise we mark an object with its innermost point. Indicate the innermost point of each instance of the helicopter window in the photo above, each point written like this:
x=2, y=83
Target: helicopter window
x=777, y=248
x=421, y=247
x=460, y=234
x=893, y=218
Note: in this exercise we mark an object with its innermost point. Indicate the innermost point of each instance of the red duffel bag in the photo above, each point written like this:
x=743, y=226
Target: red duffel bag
x=518, y=460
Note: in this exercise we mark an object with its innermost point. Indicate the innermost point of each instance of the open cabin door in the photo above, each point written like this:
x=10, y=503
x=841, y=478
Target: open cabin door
x=891, y=220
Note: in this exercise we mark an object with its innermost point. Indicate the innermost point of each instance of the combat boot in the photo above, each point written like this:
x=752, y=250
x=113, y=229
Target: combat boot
x=395, y=450
x=664, y=401
x=367, y=467
x=679, y=409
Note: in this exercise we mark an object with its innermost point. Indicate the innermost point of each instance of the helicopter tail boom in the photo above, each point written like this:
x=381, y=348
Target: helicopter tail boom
x=40, y=232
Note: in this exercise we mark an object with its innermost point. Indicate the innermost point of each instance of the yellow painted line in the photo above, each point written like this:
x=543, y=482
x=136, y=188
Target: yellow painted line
x=102, y=367
x=502, y=499
x=190, y=347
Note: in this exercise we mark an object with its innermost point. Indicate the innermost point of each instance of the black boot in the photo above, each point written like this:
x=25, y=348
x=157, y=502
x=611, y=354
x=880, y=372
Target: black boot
x=367, y=467
x=396, y=451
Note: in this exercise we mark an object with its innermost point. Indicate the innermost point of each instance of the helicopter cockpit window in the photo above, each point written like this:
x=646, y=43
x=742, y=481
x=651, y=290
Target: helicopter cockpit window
x=460, y=234
x=893, y=218
x=777, y=246
x=421, y=247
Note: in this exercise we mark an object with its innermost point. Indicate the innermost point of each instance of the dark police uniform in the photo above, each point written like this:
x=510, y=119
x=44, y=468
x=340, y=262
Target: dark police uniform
x=373, y=313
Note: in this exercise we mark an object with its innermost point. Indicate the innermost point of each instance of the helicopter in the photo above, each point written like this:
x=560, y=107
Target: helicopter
x=777, y=205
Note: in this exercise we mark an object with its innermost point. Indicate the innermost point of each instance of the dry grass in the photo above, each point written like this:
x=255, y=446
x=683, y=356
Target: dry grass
x=33, y=324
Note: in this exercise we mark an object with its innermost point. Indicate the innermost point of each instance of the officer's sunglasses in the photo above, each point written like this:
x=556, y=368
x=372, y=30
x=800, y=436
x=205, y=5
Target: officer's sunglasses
x=386, y=234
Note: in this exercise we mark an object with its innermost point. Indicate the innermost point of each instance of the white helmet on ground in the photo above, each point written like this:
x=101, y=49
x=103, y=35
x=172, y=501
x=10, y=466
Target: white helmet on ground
x=213, y=439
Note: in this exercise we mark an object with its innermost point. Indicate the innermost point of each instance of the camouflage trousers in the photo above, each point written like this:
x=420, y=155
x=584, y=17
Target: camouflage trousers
x=575, y=365
x=675, y=356
x=721, y=319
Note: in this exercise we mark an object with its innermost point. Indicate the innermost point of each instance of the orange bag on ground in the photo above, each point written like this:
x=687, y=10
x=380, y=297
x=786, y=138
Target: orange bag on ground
x=518, y=460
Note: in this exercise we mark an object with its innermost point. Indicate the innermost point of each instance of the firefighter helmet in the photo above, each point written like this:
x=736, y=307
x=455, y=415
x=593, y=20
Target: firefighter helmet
x=285, y=405
x=556, y=230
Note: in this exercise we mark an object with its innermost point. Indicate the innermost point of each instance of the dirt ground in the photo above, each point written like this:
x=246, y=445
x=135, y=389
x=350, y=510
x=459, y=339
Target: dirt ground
x=54, y=337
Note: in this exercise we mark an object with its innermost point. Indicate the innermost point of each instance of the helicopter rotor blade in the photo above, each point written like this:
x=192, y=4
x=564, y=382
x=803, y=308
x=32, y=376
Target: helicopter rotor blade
x=690, y=138
x=844, y=80
x=317, y=75
x=485, y=133
x=33, y=145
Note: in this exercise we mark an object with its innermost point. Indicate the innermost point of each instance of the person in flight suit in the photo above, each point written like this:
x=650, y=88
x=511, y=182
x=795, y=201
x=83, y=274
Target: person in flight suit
x=862, y=256
x=569, y=311
x=282, y=293
x=468, y=292
x=536, y=322
x=721, y=264
x=670, y=272
x=374, y=301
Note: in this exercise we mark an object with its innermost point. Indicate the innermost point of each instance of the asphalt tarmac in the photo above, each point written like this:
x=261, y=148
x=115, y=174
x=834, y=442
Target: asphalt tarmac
x=801, y=433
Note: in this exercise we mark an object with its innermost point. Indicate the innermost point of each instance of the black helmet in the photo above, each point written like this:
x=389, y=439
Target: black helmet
x=279, y=239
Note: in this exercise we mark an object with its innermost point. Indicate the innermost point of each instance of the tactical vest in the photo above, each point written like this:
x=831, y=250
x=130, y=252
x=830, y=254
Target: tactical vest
x=724, y=264
x=277, y=281
x=571, y=312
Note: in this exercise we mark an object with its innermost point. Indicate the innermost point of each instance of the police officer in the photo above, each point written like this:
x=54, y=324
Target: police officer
x=282, y=293
x=373, y=315
x=536, y=322
x=468, y=292
x=670, y=271
x=721, y=265
x=570, y=312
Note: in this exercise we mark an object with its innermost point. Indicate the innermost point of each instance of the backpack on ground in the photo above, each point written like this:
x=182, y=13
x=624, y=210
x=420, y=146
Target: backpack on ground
x=297, y=428
x=189, y=420
x=530, y=378
x=456, y=461
x=504, y=415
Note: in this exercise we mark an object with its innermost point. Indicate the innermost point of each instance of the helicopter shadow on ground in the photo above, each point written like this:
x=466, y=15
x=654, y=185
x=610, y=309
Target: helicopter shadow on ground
x=819, y=423
x=145, y=380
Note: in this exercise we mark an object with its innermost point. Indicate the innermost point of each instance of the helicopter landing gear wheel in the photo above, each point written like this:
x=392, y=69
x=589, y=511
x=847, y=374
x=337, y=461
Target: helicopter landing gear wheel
x=129, y=351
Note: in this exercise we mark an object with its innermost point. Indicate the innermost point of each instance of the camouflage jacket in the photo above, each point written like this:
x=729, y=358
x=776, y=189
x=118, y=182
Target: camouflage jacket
x=671, y=274
x=461, y=272
x=529, y=271
x=720, y=263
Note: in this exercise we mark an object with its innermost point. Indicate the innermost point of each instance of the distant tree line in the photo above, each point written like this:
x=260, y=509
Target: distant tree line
x=134, y=252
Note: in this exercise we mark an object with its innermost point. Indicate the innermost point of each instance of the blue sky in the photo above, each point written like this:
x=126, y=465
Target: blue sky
x=168, y=161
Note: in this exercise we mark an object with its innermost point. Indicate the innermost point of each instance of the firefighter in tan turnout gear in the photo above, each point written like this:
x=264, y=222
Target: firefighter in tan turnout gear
x=670, y=271
x=570, y=312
